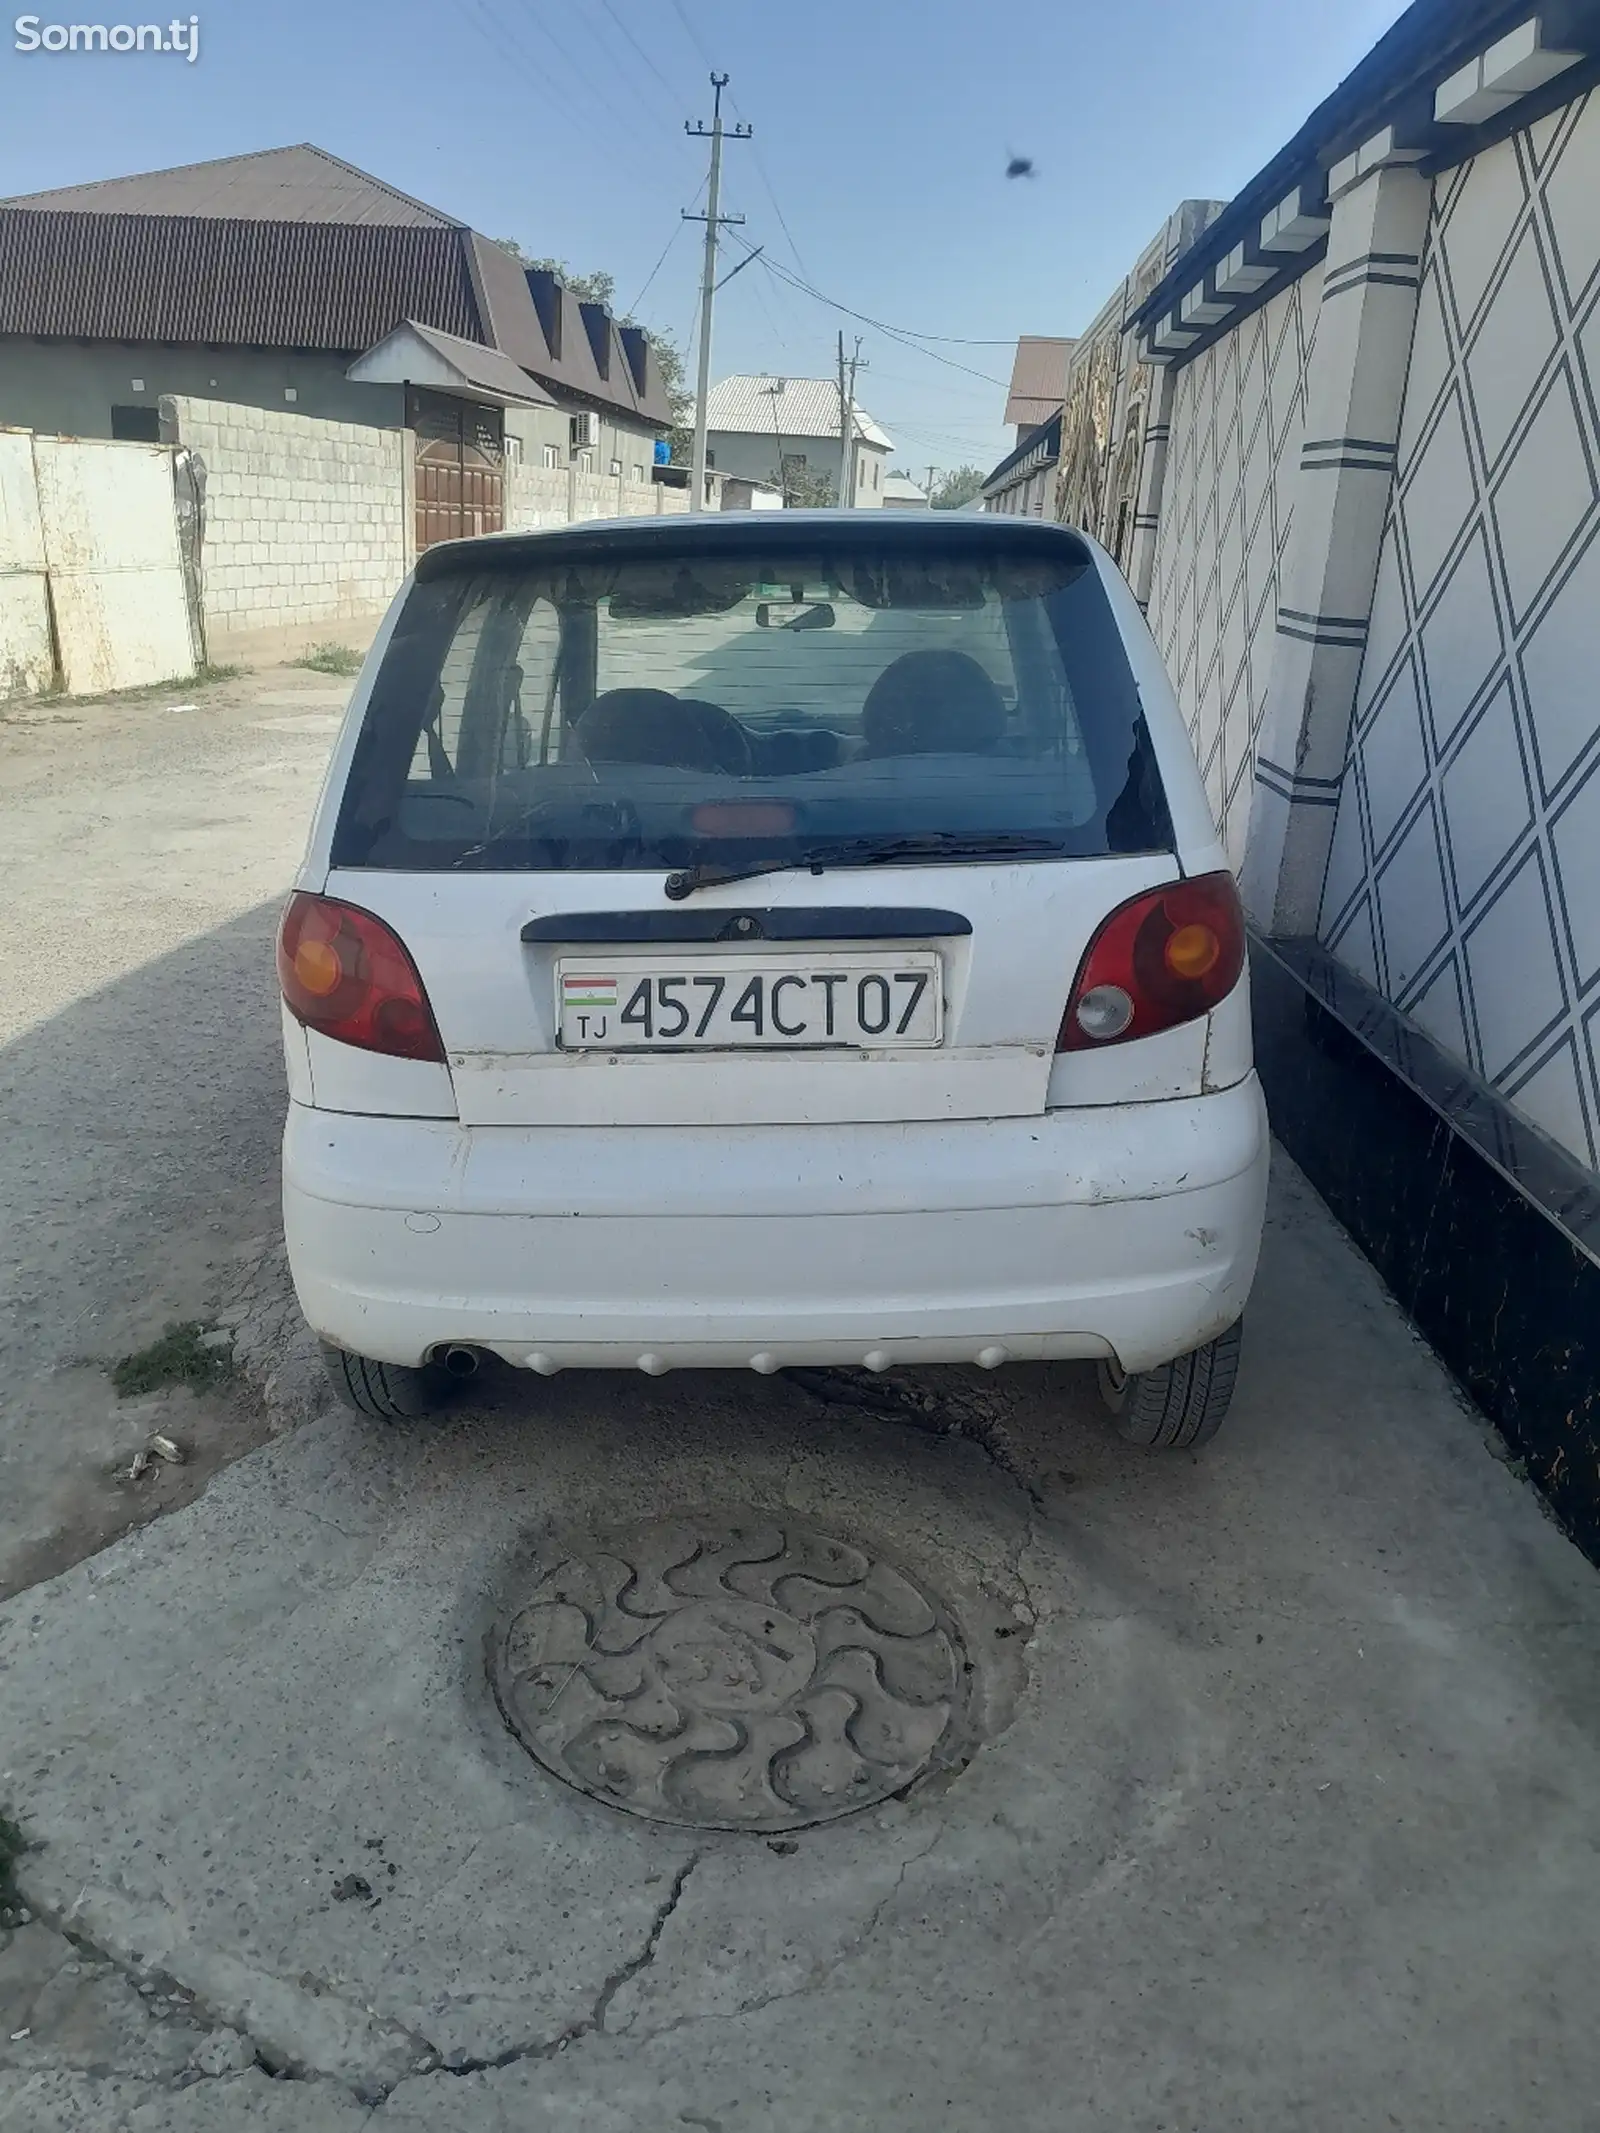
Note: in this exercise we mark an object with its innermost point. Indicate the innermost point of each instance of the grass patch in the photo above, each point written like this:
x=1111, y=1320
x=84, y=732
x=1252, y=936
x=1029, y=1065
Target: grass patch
x=330, y=658
x=12, y=710
x=177, y=1358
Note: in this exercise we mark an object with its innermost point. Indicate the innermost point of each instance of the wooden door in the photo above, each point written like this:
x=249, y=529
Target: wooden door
x=460, y=450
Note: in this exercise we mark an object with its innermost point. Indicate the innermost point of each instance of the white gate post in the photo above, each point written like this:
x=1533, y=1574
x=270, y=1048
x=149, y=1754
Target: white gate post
x=1354, y=392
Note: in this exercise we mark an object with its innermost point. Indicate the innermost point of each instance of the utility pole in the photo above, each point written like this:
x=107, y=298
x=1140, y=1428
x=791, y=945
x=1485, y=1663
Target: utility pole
x=931, y=472
x=847, y=423
x=714, y=221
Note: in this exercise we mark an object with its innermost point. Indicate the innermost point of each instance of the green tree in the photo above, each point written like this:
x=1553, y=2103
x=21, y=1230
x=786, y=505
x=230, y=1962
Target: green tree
x=957, y=486
x=803, y=488
x=601, y=288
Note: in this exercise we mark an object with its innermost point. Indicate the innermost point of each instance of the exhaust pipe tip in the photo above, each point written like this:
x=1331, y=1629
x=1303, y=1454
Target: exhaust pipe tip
x=461, y=1362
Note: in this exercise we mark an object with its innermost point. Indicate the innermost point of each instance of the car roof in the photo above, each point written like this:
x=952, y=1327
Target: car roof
x=765, y=531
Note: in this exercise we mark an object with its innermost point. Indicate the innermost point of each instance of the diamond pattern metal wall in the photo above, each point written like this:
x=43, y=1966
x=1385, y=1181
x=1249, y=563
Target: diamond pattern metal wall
x=1464, y=879
x=1238, y=418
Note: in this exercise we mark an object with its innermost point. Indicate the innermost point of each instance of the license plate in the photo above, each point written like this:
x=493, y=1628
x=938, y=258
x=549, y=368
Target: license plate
x=858, y=1002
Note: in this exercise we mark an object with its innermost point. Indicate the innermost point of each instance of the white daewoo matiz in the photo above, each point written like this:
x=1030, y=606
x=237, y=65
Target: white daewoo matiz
x=767, y=941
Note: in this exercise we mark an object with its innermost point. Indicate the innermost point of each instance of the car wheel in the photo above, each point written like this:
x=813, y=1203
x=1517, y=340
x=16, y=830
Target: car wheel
x=389, y=1392
x=1179, y=1404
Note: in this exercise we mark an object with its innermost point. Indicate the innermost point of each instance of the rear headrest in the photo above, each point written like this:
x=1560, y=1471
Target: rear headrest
x=932, y=703
x=651, y=726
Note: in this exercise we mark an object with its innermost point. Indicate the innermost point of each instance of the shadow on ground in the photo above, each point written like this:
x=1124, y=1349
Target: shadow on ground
x=138, y=1167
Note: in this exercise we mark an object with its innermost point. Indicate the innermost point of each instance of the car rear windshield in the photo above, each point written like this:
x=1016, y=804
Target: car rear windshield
x=749, y=694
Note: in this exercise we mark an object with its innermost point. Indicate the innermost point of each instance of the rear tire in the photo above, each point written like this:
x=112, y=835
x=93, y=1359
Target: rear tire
x=387, y=1392
x=1179, y=1404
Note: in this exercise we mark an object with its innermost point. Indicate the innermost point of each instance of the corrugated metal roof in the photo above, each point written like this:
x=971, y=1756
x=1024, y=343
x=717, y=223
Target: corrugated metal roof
x=903, y=489
x=787, y=407
x=238, y=284
x=300, y=184
x=1038, y=377
x=392, y=362
x=347, y=261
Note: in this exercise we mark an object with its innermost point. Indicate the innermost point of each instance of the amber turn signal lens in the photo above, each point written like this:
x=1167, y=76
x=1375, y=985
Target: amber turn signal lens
x=1192, y=952
x=317, y=966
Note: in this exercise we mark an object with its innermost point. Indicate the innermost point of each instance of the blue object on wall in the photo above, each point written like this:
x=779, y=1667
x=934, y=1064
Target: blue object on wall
x=663, y=451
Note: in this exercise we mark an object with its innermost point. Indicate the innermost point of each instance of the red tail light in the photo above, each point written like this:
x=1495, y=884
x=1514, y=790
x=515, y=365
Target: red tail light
x=344, y=973
x=1160, y=959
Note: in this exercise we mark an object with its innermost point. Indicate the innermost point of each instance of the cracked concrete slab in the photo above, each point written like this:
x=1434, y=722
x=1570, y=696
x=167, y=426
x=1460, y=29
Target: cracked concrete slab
x=1286, y=1814
x=250, y=2103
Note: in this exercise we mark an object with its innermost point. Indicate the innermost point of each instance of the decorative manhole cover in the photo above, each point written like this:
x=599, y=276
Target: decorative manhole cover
x=730, y=1674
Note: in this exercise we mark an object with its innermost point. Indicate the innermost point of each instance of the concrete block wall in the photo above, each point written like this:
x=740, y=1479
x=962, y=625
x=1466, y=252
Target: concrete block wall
x=537, y=496
x=307, y=523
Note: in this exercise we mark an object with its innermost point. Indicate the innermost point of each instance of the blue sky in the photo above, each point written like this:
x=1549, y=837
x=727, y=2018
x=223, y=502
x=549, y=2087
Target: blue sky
x=883, y=128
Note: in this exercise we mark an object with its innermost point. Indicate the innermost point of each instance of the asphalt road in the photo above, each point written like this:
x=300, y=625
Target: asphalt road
x=1269, y=1794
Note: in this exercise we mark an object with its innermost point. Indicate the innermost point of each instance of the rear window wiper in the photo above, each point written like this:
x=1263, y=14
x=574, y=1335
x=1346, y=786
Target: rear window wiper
x=869, y=852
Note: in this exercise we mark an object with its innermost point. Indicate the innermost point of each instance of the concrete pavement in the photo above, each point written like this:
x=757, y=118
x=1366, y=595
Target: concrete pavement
x=1284, y=1810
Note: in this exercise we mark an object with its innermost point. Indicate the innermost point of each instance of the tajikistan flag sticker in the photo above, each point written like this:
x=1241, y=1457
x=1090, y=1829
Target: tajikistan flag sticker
x=588, y=992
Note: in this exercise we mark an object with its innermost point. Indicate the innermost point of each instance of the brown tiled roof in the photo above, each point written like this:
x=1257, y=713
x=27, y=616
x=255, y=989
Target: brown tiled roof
x=306, y=285
x=301, y=184
x=1038, y=378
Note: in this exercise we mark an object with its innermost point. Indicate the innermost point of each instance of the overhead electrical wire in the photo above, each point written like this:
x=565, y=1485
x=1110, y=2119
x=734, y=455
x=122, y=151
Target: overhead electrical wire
x=895, y=333
x=693, y=36
x=506, y=42
x=638, y=47
x=903, y=333
x=677, y=232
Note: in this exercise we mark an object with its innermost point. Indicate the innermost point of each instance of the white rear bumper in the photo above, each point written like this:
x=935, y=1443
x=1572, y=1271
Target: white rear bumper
x=1127, y=1230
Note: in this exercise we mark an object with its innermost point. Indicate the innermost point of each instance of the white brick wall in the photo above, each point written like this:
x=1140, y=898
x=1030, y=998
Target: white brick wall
x=305, y=519
x=538, y=496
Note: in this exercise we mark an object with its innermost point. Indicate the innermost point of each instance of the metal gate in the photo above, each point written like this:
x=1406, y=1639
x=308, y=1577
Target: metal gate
x=461, y=452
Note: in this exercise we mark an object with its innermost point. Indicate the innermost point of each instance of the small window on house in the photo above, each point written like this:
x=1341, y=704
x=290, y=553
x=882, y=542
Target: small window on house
x=513, y=447
x=586, y=462
x=638, y=473
x=136, y=425
x=616, y=469
x=874, y=473
x=552, y=456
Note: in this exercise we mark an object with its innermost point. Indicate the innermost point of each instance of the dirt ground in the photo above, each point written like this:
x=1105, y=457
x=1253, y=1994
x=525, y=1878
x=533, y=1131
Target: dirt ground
x=149, y=842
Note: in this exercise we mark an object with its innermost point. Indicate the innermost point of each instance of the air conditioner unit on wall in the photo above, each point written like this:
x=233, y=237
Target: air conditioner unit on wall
x=585, y=432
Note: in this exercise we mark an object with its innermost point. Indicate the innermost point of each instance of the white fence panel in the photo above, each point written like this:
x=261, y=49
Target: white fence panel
x=116, y=574
x=27, y=663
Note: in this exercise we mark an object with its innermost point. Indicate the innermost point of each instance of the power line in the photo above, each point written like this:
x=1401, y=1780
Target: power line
x=638, y=47
x=509, y=47
x=618, y=62
x=905, y=333
x=705, y=56
x=677, y=232
x=895, y=333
